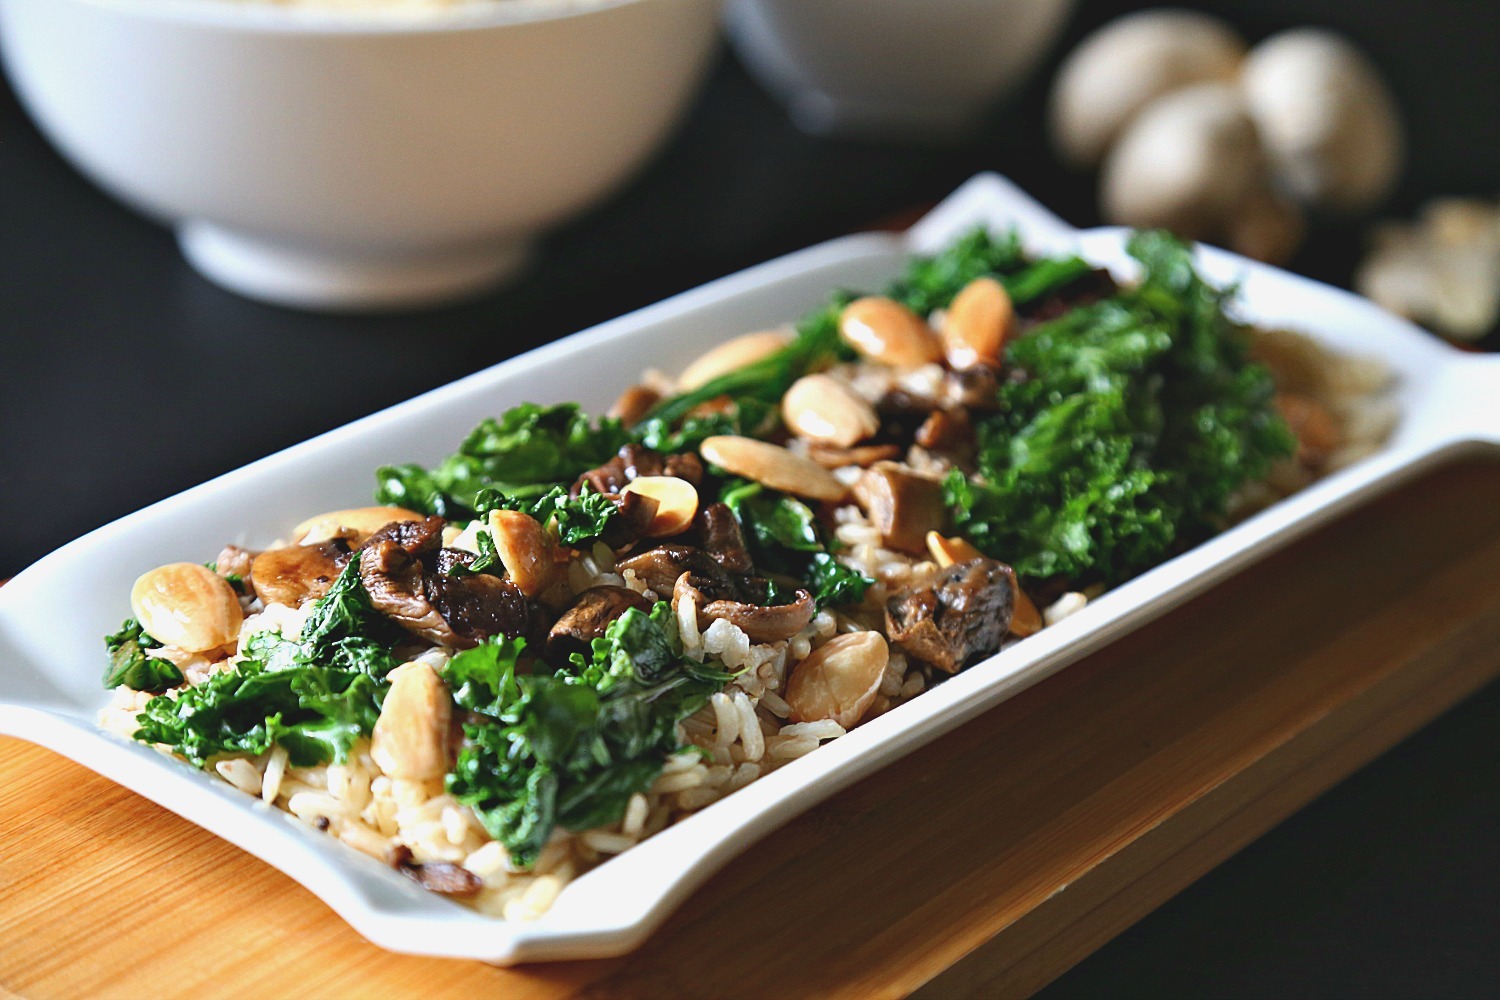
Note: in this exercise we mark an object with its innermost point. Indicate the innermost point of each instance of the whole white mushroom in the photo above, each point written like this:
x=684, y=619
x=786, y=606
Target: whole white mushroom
x=1121, y=68
x=1186, y=163
x=1327, y=121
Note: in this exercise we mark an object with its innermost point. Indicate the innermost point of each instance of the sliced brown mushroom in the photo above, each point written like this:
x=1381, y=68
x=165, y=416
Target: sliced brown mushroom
x=634, y=461
x=956, y=617
x=397, y=566
x=441, y=877
x=717, y=532
x=762, y=623
x=660, y=567
x=864, y=455
x=902, y=505
x=298, y=573
x=588, y=618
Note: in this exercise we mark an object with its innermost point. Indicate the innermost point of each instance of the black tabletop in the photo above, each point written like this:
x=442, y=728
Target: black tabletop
x=124, y=378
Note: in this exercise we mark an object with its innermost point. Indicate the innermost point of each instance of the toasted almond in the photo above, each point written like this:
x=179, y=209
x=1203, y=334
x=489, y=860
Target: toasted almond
x=839, y=679
x=410, y=740
x=356, y=524
x=979, y=320
x=822, y=408
x=526, y=550
x=1025, y=619
x=886, y=331
x=773, y=466
x=947, y=551
x=731, y=356
x=633, y=404
x=676, y=503
x=188, y=606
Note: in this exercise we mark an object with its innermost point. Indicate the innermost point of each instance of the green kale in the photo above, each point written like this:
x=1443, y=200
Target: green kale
x=783, y=535
x=577, y=520
x=129, y=664
x=314, y=695
x=746, y=417
x=525, y=452
x=1136, y=419
x=764, y=381
x=315, y=713
x=570, y=748
x=931, y=282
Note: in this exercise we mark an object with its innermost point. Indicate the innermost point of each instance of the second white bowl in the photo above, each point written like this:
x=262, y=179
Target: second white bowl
x=347, y=160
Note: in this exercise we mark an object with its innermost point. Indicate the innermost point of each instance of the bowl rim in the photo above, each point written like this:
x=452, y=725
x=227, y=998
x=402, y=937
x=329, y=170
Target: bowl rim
x=258, y=16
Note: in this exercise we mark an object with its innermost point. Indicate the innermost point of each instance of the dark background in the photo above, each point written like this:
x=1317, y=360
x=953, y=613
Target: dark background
x=125, y=378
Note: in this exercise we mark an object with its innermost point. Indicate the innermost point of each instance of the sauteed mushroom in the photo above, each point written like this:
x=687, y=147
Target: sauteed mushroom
x=588, y=618
x=761, y=623
x=956, y=617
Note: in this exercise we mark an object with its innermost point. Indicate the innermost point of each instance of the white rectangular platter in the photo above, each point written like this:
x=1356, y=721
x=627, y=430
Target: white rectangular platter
x=52, y=615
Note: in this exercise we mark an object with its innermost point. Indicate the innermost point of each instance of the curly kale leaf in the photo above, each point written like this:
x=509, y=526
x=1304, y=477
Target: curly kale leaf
x=577, y=520
x=130, y=665
x=570, y=748
x=1137, y=418
x=525, y=452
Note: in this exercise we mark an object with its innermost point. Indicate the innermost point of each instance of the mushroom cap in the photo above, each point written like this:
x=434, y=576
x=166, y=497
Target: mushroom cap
x=1328, y=123
x=1184, y=164
x=1124, y=66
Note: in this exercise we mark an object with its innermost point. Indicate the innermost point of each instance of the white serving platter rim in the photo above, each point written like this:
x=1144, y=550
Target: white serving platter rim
x=49, y=620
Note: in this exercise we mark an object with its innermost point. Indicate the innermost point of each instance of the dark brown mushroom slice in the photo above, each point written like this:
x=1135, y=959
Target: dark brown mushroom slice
x=634, y=461
x=393, y=578
x=417, y=538
x=298, y=573
x=478, y=606
x=902, y=505
x=660, y=567
x=440, y=877
x=588, y=618
x=716, y=531
x=449, y=560
x=946, y=430
x=956, y=617
x=761, y=622
x=636, y=511
x=973, y=388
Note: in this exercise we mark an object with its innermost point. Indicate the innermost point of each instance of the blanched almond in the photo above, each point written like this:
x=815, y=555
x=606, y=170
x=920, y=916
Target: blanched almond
x=979, y=320
x=526, y=550
x=731, y=356
x=676, y=503
x=839, y=679
x=886, y=331
x=411, y=738
x=773, y=466
x=188, y=606
x=826, y=410
x=356, y=524
x=947, y=551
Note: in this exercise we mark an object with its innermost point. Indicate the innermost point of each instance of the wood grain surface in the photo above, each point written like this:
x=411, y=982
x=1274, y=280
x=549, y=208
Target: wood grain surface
x=985, y=864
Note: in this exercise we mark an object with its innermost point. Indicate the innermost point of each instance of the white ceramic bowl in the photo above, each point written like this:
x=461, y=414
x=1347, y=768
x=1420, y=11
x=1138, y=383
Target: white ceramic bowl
x=336, y=159
x=892, y=68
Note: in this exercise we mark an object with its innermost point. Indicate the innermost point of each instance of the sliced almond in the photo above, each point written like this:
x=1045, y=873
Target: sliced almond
x=526, y=550
x=886, y=331
x=188, y=606
x=356, y=524
x=410, y=740
x=822, y=408
x=979, y=320
x=676, y=503
x=773, y=466
x=838, y=680
x=732, y=355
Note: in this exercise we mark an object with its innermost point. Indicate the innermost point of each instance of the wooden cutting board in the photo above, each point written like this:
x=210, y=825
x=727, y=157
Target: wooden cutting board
x=1120, y=780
